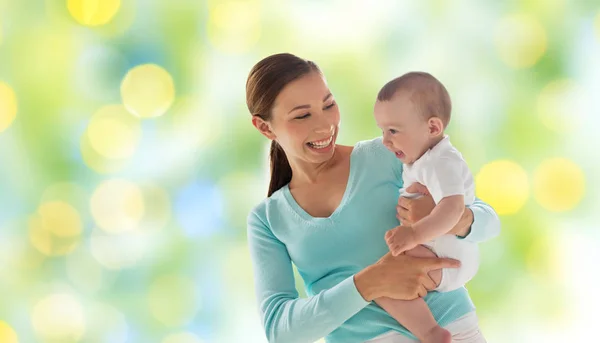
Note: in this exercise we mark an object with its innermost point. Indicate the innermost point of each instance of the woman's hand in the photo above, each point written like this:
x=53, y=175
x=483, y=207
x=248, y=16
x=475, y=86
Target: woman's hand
x=401, y=277
x=410, y=211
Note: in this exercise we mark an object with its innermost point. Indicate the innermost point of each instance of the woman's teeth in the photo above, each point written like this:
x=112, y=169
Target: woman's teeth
x=321, y=144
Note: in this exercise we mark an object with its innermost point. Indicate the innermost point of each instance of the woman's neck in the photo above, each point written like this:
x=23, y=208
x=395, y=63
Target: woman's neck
x=309, y=173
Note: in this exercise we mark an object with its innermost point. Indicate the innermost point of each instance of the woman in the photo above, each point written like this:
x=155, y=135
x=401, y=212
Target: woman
x=327, y=211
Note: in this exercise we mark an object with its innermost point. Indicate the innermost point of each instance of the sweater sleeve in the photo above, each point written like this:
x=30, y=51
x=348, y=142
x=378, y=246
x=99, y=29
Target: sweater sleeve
x=286, y=317
x=486, y=224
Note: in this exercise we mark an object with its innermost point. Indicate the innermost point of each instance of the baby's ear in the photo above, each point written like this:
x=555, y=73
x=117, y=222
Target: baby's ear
x=436, y=126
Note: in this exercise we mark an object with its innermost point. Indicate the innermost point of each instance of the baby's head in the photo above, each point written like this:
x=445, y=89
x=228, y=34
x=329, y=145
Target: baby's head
x=412, y=111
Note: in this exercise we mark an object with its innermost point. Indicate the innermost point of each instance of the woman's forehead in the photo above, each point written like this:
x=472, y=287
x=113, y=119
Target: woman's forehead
x=305, y=90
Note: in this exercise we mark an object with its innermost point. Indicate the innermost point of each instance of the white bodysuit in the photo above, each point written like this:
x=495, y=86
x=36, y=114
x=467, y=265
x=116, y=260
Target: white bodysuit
x=444, y=172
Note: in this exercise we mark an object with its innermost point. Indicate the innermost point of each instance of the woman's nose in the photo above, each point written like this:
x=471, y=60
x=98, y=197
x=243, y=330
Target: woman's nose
x=325, y=125
x=324, y=129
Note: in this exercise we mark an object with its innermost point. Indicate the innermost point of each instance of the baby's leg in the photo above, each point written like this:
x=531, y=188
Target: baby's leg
x=414, y=314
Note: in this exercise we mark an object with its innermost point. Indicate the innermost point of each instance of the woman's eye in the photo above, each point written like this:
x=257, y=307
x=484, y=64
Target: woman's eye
x=330, y=106
x=303, y=116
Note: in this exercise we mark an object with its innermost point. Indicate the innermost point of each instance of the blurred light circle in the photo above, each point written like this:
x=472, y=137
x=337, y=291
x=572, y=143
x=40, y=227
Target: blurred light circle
x=182, y=337
x=117, y=206
x=95, y=161
x=120, y=23
x=234, y=26
x=504, y=185
x=169, y=310
x=41, y=239
x=118, y=251
x=520, y=40
x=8, y=106
x=148, y=91
x=107, y=324
x=8, y=335
x=60, y=219
x=559, y=184
x=113, y=132
x=560, y=105
x=93, y=12
x=59, y=317
x=55, y=229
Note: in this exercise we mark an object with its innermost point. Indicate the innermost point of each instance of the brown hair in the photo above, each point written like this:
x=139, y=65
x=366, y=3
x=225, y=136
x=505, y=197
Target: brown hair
x=266, y=80
x=427, y=93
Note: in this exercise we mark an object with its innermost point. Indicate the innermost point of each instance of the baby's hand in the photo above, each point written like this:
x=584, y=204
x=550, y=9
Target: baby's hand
x=401, y=239
x=417, y=188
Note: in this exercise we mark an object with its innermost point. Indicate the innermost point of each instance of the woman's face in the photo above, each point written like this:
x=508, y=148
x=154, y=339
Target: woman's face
x=305, y=120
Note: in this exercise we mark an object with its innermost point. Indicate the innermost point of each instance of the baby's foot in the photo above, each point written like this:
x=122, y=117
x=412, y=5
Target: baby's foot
x=437, y=335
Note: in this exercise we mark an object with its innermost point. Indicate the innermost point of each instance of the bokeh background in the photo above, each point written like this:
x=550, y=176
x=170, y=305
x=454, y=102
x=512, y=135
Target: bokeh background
x=128, y=162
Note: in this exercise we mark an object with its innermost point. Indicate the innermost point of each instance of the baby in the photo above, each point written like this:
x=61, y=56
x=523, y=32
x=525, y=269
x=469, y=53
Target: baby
x=413, y=111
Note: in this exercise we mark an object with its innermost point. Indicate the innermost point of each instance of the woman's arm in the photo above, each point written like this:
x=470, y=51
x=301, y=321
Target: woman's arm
x=483, y=226
x=401, y=277
x=286, y=317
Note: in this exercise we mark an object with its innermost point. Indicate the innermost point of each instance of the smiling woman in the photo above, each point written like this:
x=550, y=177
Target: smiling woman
x=313, y=123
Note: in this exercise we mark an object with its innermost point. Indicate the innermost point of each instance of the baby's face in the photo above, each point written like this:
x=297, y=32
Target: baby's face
x=405, y=131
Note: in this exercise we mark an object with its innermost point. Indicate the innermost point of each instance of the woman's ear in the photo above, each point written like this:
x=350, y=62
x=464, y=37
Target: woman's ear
x=263, y=127
x=436, y=126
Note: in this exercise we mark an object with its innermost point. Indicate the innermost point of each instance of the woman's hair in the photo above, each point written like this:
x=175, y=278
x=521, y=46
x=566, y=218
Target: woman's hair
x=266, y=80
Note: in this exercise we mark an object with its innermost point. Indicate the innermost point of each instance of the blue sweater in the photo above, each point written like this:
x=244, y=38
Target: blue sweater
x=329, y=251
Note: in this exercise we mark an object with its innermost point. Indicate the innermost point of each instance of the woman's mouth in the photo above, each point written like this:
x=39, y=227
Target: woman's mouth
x=321, y=145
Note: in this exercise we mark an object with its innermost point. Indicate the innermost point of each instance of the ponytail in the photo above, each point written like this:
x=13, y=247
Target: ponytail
x=281, y=171
x=266, y=80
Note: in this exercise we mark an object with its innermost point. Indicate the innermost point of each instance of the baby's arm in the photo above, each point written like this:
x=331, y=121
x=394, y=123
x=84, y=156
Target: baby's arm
x=442, y=219
x=444, y=179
